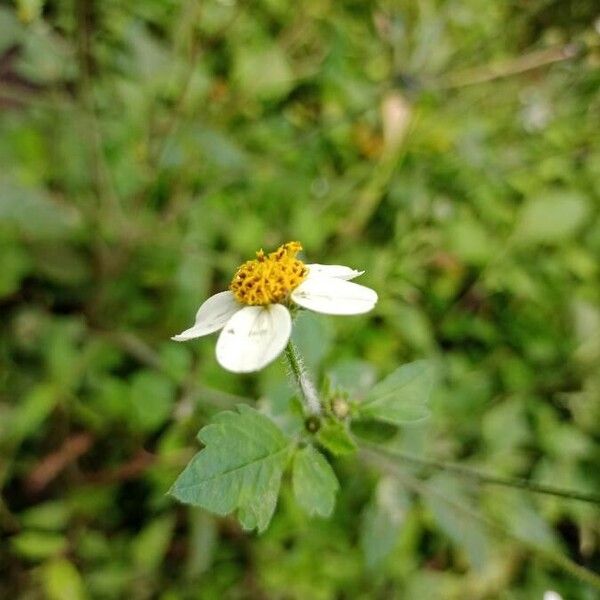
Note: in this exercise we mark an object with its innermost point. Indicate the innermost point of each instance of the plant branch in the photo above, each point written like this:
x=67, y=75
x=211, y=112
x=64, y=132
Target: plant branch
x=486, y=478
x=516, y=66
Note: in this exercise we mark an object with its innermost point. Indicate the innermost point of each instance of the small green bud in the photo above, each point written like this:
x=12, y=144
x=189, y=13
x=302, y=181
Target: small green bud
x=340, y=408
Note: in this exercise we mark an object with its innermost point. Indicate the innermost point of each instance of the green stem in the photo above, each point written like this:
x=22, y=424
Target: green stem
x=301, y=377
x=380, y=460
x=513, y=482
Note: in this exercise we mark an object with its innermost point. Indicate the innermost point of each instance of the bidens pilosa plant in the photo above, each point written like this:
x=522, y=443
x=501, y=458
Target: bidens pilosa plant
x=246, y=453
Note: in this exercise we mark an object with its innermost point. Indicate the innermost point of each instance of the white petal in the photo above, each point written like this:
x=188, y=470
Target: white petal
x=336, y=271
x=254, y=337
x=211, y=316
x=334, y=296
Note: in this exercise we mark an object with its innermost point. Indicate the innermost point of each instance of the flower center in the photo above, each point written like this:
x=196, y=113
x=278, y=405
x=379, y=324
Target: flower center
x=269, y=278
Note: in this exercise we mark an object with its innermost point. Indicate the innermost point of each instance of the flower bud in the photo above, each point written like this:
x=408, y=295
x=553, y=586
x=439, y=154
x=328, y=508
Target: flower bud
x=340, y=408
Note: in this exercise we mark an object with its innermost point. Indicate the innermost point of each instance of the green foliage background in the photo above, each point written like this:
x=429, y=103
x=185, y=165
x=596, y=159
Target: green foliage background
x=147, y=148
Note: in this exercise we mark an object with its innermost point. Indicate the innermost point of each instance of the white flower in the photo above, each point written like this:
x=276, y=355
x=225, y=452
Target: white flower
x=254, y=316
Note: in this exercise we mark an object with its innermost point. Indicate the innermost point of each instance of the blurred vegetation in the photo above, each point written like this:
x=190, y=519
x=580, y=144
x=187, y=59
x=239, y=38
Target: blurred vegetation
x=449, y=148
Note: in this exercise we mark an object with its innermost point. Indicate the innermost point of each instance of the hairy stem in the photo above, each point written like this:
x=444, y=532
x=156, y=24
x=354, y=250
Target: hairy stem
x=301, y=377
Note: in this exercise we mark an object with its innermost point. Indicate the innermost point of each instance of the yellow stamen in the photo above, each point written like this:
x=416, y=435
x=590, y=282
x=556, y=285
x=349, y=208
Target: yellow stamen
x=269, y=279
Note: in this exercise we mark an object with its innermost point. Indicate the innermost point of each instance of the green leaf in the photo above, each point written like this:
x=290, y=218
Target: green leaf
x=152, y=543
x=151, y=398
x=520, y=517
x=314, y=482
x=382, y=520
x=377, y=432
x=37, y=545
x=353, y=376
x=49, y=515
x=313, y=338
x=14, y=265
x=31, y=213
x=470, y=241
x=62, y=581
x=11, y=31
x=335, y=437
x=467, y=533
x=202, y=542
x=28, y=417
x=551, y=218
x=402, y=396
x=240, y=468
x=263, y=72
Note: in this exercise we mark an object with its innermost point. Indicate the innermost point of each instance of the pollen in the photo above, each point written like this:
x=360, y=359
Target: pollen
x=269, y=278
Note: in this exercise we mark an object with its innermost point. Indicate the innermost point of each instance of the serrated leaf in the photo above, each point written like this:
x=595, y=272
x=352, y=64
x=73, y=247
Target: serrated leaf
x=335, y=437
x=314, y=482
x=239, y=469
x=402, y=396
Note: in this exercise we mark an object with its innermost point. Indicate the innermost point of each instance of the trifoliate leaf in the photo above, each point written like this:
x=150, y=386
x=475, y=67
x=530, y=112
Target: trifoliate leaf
x=335, y=436
x=402, y=396
x=314, y=482
x=239, y=469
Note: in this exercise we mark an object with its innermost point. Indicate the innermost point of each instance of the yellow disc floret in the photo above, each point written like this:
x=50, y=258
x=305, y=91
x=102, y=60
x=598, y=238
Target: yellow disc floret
x=269, y=278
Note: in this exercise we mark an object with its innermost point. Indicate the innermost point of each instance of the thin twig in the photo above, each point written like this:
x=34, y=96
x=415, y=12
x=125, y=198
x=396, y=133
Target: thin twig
x=101, y=178
x=486, y=478
x=52, y=465
x=522, y=64
x=137, y=466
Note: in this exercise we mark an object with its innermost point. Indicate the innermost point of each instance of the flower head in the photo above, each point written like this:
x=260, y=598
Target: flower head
x=269, y=279
x=254, y=313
